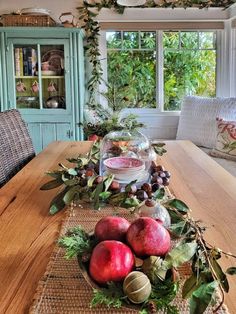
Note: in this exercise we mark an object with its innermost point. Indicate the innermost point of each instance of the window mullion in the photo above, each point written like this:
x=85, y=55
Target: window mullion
x=160, y=71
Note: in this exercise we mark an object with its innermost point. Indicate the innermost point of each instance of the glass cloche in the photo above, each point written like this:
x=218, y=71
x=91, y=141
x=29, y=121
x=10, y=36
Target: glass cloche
x=127, y=155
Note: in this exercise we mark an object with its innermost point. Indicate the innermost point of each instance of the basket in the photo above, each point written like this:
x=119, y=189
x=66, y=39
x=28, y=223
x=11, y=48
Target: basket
x=27, y=20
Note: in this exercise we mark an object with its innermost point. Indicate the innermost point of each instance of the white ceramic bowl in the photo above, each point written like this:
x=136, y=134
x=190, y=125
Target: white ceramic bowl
x=125, y=168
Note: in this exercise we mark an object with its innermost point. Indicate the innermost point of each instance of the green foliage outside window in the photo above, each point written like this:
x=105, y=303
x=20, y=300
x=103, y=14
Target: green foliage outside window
x=189, y=66
x=131, y=66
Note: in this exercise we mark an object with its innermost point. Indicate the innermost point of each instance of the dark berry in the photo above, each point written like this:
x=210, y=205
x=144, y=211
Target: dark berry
x=159, y=180
x=160, y=168
x=98, y=180
x=114, y=186
x=141, y=195
x=156, y=187
x=83, y=182
x=161, y=174
x=167, y=174
x=166, y=181
x=147, y=187
x=89, y=173
x=133, y=189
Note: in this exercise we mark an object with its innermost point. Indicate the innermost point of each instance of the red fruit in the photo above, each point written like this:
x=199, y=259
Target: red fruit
x=94, y=138
x=111, y=261
x=111, y=228
x=148, y=237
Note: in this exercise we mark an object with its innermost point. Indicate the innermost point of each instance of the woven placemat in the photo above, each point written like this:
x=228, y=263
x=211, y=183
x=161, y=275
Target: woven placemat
x=63, y=288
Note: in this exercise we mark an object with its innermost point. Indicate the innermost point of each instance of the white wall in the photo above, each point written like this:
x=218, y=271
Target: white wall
x=55, y=6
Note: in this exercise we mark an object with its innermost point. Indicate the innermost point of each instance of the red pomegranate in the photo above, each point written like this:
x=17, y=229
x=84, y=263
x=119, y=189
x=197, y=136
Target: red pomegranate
x=111, y=261
x=111, y=228
x=147, y=236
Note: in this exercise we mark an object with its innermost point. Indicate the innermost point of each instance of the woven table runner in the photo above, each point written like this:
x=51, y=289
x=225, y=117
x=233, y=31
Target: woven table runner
x=63, y=289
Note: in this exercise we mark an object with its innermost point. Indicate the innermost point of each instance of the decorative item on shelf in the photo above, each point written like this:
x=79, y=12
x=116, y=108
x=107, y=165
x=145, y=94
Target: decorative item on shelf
x=127, y=155
x=28, y=17
x=35, y=87
x=55, y=102
x=67, y=19
x=52, y=87
x=54, y=61
x=20, y=87
x=45, y=66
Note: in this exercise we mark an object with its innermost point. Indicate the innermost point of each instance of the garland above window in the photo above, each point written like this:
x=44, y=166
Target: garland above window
x=89, y=11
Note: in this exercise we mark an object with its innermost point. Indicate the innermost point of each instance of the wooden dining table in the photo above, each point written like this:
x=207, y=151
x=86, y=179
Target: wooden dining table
x=28, y=233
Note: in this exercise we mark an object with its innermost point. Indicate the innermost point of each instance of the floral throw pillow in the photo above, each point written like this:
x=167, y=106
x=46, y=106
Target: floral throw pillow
x=226, y=140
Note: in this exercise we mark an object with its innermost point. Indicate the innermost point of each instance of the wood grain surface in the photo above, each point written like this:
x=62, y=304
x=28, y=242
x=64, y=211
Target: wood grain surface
x=28, y=232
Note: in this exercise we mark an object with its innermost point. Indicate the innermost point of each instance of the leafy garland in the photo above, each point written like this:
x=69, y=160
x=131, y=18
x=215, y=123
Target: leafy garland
x=82, y=183
x=88, y=13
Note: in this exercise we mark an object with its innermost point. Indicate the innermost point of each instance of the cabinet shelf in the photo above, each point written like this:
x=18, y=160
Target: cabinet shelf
x=26, y=77
x=43, y=77
x=52, y=77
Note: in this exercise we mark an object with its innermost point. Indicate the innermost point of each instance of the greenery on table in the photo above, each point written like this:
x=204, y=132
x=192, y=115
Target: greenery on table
x=112, y=123
x=207, y=274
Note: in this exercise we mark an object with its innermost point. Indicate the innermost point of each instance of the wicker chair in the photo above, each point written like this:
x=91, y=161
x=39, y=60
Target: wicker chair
x=16, y=148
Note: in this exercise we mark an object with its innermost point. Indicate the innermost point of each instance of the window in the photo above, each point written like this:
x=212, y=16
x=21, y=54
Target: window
x=131, y=67
x=186, y=64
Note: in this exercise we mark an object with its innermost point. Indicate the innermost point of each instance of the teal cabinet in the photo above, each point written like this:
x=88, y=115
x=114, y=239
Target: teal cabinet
x=42, y=75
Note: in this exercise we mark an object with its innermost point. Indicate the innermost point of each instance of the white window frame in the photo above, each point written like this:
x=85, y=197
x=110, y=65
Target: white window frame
x=160, y=73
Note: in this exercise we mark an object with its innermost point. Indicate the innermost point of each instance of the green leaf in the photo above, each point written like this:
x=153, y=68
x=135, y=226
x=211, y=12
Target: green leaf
x=180, y=228
x=91, y=180
x=220, y=274
x=130, y=202
x=57, y=203
x=231, y=271
x=51, y=184
x=190, y=285
x=159, y=194
x=202, y=297
x=179, y=205
x=118, y=199
x=108, y=182
x=180, y=254
x=72, y=172
x=71, y=194
x=71, y=182
x=96, y=194
x=104, y=195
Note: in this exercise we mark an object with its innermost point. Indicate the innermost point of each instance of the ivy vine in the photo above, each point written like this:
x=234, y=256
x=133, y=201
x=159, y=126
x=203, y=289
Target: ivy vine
x=88, y=13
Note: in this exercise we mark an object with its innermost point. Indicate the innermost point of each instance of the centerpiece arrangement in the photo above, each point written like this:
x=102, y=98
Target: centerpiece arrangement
x=135, y=263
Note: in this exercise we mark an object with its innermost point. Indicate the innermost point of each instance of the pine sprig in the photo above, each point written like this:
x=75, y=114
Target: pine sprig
x=76, y=242
x=112, y=296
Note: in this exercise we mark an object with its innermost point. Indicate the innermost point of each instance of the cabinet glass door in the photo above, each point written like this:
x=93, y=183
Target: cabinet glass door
x=52, y=74
x=26, y=77
x=39, y=76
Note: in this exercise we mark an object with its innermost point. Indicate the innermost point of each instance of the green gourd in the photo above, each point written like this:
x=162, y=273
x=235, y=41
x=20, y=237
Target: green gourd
x=137, y=287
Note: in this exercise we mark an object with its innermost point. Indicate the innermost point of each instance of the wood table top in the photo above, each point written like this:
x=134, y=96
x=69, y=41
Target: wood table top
x=28, y=232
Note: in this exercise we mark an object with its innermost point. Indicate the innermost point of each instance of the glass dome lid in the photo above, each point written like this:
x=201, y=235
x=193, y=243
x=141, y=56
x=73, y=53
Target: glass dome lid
x=127, y=155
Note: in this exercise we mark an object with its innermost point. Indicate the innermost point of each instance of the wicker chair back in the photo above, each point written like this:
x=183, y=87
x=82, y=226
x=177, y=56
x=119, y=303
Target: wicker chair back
x=16, y=148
